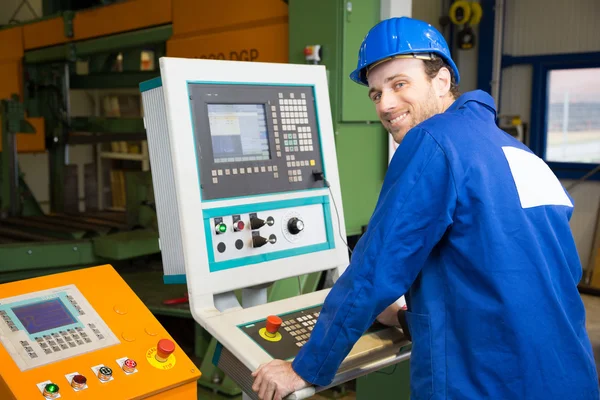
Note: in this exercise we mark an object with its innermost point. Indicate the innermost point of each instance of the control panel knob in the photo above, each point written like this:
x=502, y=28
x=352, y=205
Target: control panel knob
x=295, y=226
x=273, y=324
x=164, y=349
x=78, y=382
x=51, y=391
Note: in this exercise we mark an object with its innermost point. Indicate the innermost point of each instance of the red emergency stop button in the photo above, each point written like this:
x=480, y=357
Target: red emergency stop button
x=273, y=324
x=164, y=349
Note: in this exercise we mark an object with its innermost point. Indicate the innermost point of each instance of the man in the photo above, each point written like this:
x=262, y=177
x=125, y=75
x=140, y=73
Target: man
x=473, y=227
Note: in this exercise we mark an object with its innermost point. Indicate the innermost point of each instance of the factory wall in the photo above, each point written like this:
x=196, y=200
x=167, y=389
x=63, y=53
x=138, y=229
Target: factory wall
x=561, y=28
x=558, y=29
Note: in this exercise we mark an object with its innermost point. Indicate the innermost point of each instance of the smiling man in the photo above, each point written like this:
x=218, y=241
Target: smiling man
x=473, y=227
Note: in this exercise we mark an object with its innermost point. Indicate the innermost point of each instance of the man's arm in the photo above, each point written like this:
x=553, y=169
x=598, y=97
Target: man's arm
x=414, y=210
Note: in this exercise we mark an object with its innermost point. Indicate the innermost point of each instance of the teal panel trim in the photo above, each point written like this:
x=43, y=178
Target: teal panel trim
x=209, y=243
x=217, y=354
x=62, y=297
x=240, y=262
x=194, y=140
x=151, y=84
x=174, y=279
x=272, y=205
x=328, y=224
x=251, y=83
x=264, y=195
x=279, y=315
x=319, y=131
x=254, y=84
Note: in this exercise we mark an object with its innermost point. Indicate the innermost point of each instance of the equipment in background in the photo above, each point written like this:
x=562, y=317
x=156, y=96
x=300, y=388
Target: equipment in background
x=86, y=335
x=514, y=126
x=466, y=15
x=247, y=193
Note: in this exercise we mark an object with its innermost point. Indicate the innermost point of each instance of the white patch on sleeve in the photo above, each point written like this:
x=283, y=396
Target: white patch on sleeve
x=536, y=183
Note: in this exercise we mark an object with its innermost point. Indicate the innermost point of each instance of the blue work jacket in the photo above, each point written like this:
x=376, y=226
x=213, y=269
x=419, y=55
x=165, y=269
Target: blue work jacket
x=474, y=228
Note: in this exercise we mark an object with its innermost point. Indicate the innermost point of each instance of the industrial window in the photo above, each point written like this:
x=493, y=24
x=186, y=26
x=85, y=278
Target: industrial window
x=573, y=116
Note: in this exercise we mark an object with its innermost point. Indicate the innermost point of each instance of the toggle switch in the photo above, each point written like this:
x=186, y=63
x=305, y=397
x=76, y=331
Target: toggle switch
x=255, y=222
x=259, y=241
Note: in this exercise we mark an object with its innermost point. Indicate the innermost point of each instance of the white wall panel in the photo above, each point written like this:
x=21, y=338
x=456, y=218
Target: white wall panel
x=515, y=94
x=535, y=27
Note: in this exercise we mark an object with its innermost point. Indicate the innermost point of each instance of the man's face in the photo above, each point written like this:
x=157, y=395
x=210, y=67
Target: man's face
x=403, y=95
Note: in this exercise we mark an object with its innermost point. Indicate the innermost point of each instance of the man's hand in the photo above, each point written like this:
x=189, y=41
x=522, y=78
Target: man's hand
x=275, y=380
x=389, y=316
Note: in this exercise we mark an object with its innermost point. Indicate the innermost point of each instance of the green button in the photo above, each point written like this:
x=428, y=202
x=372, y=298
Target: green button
x=222, y=228
x=51, y=388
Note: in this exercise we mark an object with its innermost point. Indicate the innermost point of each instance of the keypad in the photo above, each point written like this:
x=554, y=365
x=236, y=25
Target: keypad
x=67, y=339
x=74, y=304
x=30, y=351
x=8, y=321
x=300, y=328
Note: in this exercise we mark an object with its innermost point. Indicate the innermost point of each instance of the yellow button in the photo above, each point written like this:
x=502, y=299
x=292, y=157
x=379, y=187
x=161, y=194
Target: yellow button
x=312, y=163
x=120, y=309
x=151, y=331
x=128, y=336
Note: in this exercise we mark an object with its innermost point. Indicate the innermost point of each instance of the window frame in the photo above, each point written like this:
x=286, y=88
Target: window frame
x=538, y=121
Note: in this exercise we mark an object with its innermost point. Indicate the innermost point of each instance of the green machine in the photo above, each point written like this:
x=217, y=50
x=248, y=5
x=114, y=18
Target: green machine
x=334, y=30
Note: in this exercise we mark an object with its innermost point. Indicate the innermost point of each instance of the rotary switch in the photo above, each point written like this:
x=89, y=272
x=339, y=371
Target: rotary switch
x=295, y=225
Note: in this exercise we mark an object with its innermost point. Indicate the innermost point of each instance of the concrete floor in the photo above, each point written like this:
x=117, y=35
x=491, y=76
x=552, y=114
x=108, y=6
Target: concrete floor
x=592, y=307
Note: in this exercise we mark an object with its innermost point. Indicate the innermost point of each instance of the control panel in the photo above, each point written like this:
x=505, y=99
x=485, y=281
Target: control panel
x=250, y=236
x=255, y=139
x=282, y=336
x=86, y=335
x=51, y=325
x=248, y=193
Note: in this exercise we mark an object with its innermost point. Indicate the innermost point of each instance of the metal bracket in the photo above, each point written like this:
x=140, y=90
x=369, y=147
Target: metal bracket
x=68, y=17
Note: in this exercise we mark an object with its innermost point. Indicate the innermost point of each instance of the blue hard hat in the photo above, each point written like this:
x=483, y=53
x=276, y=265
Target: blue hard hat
x=400, y=36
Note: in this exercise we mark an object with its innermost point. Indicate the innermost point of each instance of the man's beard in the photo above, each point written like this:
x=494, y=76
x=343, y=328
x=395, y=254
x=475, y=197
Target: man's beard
x=428, y=108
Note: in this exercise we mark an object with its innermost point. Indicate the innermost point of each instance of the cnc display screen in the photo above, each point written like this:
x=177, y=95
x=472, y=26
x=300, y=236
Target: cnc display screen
x=238, y=132
x=45, y=315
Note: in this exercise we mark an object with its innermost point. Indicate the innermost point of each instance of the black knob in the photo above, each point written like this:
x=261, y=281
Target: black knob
x=256, y=223
x=295, y=226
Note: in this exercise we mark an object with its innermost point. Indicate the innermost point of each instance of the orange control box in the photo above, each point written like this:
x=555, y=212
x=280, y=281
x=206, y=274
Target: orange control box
x=86, y=335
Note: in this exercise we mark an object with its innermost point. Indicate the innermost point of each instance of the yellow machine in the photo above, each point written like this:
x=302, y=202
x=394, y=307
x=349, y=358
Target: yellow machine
x=86, y=335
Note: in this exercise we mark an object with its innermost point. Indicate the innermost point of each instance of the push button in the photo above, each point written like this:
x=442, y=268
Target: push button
x=104, y=374
x=273, y=324
x=51, y=391
x=129, y=366
x=164, y=349
x=78, y=382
